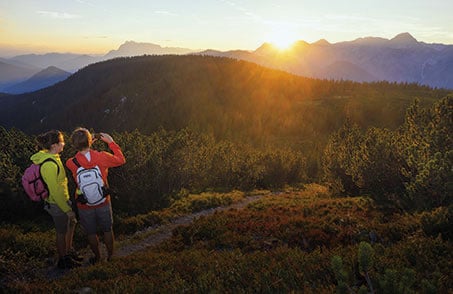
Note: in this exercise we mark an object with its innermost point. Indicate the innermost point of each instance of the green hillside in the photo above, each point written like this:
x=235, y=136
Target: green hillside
x=227, y=98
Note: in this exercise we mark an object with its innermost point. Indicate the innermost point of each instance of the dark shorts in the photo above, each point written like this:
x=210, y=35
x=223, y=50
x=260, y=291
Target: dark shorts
x=91, y=218
x=60, y=218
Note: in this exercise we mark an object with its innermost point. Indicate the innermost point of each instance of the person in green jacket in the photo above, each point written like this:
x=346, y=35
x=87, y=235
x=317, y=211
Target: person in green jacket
x=57, y=204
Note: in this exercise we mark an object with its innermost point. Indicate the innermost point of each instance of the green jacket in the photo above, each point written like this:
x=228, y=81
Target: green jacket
x=55, y=179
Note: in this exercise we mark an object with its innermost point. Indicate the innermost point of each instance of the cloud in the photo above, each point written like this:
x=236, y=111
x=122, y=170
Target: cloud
x=242, y=10
x=58, y=15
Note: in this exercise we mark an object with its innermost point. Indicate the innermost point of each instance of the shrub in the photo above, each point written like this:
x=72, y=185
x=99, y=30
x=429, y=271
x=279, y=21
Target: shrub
x=438, y=222
x=410, y=168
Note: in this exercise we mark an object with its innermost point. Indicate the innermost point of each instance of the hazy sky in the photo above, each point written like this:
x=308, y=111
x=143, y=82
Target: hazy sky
x=97, y=26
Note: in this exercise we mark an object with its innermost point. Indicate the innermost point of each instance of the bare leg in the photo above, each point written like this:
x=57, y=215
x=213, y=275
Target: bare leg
x=61, y=245
x=109, y=239
x=70, y=236
x=94, y=245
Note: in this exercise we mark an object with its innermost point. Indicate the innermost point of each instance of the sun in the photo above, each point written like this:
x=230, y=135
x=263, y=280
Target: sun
x=282, y=39
x=282, y=43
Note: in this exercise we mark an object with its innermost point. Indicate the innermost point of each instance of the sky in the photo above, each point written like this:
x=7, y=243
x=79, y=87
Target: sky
x=98, y=26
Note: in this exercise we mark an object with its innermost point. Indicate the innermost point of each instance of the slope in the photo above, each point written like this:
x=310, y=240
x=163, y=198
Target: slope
x=285, y=243
x=228, y=98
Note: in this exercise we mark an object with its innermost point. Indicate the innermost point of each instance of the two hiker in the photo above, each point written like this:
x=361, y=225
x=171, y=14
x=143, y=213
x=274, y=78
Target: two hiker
x=89, y=169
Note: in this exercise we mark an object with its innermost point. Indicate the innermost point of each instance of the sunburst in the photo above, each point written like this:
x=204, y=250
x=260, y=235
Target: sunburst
x=282, y=39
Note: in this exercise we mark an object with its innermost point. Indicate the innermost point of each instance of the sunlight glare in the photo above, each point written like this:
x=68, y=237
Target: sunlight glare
x=283, y=40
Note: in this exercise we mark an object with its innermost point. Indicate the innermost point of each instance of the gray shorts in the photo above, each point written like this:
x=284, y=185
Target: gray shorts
x=91, y=218
x=60, y=218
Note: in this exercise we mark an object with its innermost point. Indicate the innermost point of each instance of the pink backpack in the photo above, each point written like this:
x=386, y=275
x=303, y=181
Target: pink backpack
x=34, y=184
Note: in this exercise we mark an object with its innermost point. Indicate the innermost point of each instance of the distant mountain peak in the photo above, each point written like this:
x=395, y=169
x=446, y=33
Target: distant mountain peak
x=266, y=45
x=301, y=44
x=321, y=42
x=132, y=48
x=51, y=71
x=266, y=48
x=45, y=78
x=403, y=39
x=134, y=45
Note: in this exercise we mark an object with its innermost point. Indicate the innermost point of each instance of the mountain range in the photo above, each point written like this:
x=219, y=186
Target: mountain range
x=401, y=59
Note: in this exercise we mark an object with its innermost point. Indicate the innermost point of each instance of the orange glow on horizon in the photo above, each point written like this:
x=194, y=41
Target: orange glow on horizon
x=283, y=44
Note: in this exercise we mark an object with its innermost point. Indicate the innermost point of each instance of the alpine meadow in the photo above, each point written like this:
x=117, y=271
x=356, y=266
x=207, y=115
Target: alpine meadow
x=319, y=186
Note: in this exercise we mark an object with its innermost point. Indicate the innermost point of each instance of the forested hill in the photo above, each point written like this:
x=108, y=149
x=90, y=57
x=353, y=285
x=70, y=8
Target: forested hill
x=225, y=97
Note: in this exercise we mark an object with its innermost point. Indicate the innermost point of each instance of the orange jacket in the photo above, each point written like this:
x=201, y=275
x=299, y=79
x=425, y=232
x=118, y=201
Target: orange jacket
x=103, y=160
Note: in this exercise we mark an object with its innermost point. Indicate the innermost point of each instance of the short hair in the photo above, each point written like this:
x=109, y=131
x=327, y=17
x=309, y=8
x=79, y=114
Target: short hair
x=81, y=139
x=47, y=139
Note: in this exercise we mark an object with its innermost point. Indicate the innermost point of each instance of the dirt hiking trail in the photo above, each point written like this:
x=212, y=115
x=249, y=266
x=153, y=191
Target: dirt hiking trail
x=164, y=232
x=157, y=234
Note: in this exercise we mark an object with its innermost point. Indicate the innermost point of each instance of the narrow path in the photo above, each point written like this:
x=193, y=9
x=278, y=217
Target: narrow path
x=164, y=232
x=158, y=235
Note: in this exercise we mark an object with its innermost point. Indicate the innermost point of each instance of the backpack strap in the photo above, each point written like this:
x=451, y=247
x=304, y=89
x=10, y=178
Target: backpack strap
x=76, y=162
x=49, y=159
x=44, y=182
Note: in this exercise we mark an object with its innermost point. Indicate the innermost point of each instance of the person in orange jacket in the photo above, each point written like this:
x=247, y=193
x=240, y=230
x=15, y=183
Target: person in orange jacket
x=99, y=214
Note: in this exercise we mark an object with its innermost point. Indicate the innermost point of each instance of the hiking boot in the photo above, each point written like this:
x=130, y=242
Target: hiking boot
x=67, y=263
x=75, y=256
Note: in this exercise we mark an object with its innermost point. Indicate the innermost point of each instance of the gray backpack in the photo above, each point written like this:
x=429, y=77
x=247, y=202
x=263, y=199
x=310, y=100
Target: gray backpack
x=90, y=184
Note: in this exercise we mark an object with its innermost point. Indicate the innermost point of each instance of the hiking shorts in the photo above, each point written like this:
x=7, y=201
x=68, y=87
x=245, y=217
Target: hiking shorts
x=60, y=218
x=91, y=218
